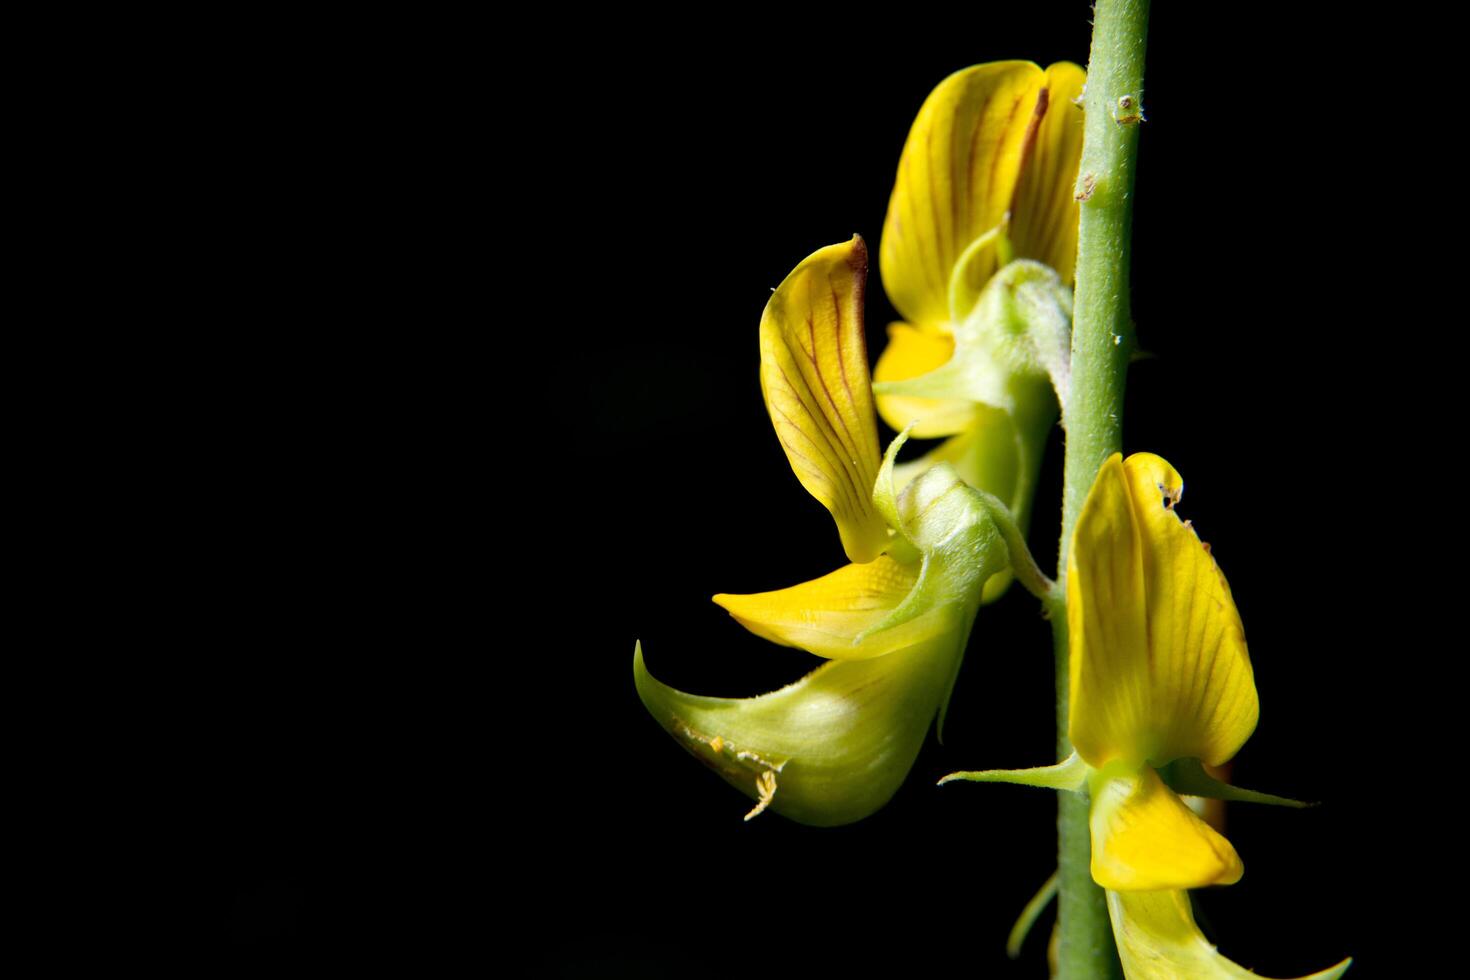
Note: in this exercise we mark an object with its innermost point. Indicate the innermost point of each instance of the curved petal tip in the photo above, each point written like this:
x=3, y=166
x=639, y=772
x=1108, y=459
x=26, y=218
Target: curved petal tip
x=1158, y=940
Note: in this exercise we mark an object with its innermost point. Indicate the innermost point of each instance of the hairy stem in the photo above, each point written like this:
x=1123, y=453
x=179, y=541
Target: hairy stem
x=1102, y=343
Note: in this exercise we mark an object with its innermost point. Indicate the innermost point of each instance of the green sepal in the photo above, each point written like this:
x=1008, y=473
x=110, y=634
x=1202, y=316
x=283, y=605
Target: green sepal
x=961, y=547
x=1024, y=320
x=1188, y=777
x=885, y=499
x=962, y=293
x=1014, y=344
x=993, y=456
x=1070, y=775
x=1030, y=914
x=948, y=524
x=969, y=374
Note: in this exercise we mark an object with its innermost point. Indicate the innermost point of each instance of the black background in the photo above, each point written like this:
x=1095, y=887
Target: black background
x=506, y=420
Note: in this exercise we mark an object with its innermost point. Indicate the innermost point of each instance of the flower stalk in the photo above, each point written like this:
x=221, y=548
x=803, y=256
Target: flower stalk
x=1102, y=345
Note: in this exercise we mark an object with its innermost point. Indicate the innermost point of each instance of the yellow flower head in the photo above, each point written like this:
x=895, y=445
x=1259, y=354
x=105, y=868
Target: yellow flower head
x=1159, y=671
x=1160, y=677
x=834, y=746
x=986, y=177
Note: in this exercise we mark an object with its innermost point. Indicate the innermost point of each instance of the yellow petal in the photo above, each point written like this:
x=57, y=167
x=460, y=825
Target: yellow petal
x=1106, y=624
x=1159, y=666
x=1206, y=680
x=1145, y=837
x=910, y=353
x=956, y=178
x=814, y=375
x=1044, y=215
x=1158, y=940
x=829, y=749
x=826, y=616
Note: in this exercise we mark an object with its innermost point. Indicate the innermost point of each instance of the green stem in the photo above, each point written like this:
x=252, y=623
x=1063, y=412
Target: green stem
x=1102, y=343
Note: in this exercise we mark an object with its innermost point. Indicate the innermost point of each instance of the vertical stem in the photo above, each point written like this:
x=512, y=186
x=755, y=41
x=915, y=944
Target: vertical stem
x=1102, y=343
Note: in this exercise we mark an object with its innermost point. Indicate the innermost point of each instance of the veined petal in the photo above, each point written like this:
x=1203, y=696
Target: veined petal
x=1158, y=940
x=829, y=749
x=1205, y=702
x=1159, y=667
x=956, y=178
x=826, y=616
x=910, y=353
x=1107, y=625
x=1144, y=837
x=1044, y=215
x=814, y=375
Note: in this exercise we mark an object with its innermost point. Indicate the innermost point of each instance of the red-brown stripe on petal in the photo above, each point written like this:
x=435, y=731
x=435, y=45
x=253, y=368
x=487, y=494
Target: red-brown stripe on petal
x=956, y=181
x=814, y=374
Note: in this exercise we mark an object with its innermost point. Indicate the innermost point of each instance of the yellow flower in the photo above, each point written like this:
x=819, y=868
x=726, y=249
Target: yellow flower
x=1159, y=671
x=986, y=177
x=834, y=746
x=1160, y=677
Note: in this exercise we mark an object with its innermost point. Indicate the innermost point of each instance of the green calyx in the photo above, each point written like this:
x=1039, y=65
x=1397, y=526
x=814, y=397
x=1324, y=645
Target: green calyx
x=1011, y=361
x=1011, y=347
